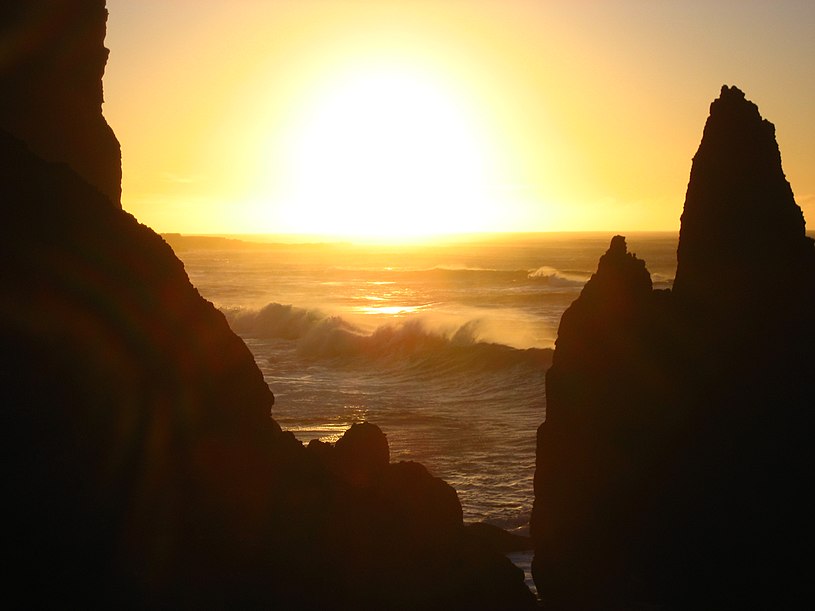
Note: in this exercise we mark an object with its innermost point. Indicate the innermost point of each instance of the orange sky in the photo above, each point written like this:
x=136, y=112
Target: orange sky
x=412, y=117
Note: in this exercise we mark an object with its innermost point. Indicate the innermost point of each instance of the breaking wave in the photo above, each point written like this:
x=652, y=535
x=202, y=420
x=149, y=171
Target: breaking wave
x=555, y=276
x=470, y=275
x=414, y=341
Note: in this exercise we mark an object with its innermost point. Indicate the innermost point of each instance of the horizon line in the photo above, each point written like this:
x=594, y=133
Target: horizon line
x=396, y=239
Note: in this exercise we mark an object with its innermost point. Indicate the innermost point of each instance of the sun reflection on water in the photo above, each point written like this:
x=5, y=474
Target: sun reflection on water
x=397, y=310
x=329, y=431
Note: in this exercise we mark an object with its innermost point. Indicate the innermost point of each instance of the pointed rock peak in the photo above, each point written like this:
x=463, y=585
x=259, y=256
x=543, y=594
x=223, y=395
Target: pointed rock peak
x=731, y=98
x=617, y=256
x=618, y=246
x=736, y=120
x=619, y=269
x=740, y=218
x=732, y=93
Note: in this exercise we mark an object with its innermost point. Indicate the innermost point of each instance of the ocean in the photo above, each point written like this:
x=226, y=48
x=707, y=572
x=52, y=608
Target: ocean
x=443, y=346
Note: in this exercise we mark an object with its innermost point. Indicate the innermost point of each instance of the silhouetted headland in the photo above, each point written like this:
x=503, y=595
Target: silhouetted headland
x=141, y=464
x=673, y=466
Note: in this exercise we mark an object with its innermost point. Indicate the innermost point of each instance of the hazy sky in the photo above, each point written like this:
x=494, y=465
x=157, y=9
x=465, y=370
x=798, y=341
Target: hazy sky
x=408, y=117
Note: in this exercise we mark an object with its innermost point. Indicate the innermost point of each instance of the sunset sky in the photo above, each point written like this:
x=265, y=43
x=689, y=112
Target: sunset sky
x=403, y=118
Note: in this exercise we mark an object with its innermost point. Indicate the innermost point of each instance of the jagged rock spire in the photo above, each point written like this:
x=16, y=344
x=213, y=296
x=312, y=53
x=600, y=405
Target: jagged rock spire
x=740, y=218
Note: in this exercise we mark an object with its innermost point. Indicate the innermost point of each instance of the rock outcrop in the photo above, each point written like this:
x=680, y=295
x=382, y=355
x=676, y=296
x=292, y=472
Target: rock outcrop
x=595, y=449
x=672, y=465
x=141, y=466
x=743, y=236
x=391, y=535
x=51, y=65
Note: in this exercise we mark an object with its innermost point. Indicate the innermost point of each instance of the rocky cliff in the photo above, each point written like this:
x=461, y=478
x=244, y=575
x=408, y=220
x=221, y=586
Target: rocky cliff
x=124, y=393
x=51, y=65
x=671, y=468
x=141, y=466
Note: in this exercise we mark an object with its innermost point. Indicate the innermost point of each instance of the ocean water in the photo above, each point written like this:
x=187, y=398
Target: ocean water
x=445, y=347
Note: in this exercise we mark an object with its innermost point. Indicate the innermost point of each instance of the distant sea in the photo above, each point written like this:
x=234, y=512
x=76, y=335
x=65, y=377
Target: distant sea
x=444, y=347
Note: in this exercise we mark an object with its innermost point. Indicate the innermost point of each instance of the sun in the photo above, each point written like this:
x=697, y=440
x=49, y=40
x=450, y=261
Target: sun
x=385, y=153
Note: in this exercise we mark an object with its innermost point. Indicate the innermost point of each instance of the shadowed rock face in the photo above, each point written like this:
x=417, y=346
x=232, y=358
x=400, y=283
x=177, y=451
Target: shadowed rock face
x=137, y=438
x=671, y=465
x=134, y=420
x=594, y=450
x=51, y=71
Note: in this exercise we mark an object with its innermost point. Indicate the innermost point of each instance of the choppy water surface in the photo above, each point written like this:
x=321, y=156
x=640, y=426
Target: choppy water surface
x=444, y=347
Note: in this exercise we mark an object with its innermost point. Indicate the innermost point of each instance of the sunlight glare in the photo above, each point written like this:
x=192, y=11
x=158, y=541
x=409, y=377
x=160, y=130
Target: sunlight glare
x=386, y=154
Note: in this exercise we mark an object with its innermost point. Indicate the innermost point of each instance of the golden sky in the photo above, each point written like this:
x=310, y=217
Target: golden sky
x=402, y=118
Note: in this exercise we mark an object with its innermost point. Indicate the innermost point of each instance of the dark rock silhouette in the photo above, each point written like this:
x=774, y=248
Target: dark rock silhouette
x=395, y=537
x=673, y=462
x=362, y=454
x=740, y=218
x=594, y=449
x=51, y=82
x=127, y=401
x=498, y=539
x=141, y=466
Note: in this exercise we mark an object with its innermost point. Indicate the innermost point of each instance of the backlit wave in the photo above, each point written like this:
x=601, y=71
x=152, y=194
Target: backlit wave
x=414, y=342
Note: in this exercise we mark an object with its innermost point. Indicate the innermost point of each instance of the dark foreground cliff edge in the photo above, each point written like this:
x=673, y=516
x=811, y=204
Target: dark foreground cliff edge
x=141, y=466
x=674, y=464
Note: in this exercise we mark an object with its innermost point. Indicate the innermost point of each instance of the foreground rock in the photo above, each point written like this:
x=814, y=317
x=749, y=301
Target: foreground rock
x=672, y=467
x=141, y=466
x=393, y=535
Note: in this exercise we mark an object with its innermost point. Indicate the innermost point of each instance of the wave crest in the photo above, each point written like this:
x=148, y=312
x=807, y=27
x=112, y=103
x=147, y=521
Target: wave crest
x=322, y=336
x=555, y=276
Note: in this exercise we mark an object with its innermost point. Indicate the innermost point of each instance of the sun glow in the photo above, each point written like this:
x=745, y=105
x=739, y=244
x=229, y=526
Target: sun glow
x=387, y=154
x=409, y=117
